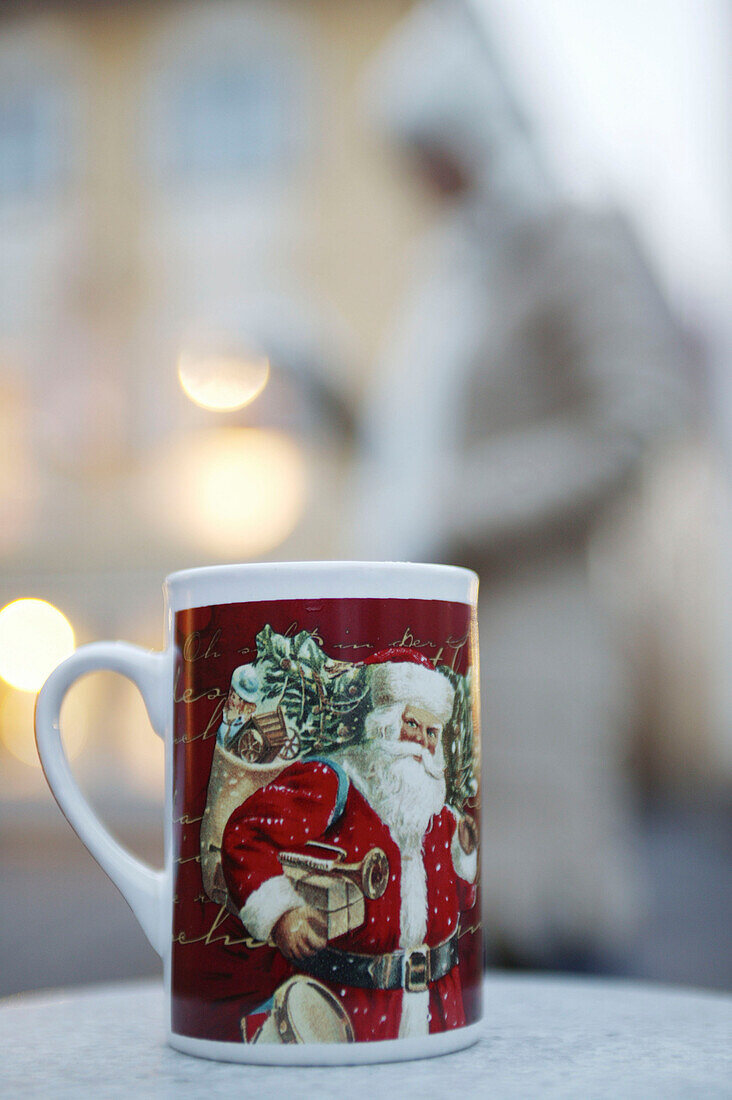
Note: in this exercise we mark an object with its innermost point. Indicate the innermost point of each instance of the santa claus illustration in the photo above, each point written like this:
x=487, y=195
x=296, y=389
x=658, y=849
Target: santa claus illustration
x=396, y=975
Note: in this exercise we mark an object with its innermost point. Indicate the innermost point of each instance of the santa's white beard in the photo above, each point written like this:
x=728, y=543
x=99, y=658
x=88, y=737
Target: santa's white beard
x=393, y=777
x=405, y=785
x=406, y=797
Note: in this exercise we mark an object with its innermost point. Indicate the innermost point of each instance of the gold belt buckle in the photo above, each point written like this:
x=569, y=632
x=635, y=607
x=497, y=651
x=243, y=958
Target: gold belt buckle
x=416, y=969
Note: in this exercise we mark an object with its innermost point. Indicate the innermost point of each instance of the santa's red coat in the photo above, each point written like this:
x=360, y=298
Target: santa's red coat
x=299, y=807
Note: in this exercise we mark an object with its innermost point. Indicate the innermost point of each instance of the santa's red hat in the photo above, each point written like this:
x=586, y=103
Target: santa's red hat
x=401, y=675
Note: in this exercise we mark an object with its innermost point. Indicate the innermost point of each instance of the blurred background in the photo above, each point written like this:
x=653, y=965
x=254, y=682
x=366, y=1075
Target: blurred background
x=382, y=279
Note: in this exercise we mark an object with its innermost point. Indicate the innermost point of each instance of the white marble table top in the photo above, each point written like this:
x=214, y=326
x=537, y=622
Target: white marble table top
x=543, y=1037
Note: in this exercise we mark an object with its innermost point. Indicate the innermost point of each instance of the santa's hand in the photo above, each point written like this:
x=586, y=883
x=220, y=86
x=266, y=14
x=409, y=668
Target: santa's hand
x=300, y=932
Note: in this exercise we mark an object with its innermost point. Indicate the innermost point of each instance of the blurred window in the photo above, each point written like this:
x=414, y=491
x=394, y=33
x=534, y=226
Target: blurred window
x=32, y=157
x=232, y=119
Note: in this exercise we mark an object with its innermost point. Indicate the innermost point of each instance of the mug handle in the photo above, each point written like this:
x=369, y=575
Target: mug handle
x=143, y=888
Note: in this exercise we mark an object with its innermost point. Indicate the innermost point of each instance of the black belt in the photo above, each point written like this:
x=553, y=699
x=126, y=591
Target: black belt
x=412, y=970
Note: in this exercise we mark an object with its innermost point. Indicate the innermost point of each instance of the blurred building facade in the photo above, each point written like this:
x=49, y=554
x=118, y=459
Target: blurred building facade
x=180, y=177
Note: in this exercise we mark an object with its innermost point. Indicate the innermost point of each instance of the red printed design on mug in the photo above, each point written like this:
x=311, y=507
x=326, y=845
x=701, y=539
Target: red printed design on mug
x=325, y=806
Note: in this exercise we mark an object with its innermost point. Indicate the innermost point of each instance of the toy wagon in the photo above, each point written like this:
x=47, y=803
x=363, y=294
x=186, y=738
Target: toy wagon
x=264, y=737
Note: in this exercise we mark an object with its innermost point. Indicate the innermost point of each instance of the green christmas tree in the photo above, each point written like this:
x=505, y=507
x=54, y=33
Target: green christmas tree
x=458, y=741
x=324, y=701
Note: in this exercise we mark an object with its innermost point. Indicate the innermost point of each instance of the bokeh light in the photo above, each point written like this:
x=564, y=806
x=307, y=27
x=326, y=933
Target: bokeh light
x=16, y=726
x=232, y=491
x=34, y=637
x=222, y=382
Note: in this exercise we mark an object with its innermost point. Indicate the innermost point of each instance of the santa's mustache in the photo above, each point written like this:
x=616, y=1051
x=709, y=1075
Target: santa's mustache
x=415, y=751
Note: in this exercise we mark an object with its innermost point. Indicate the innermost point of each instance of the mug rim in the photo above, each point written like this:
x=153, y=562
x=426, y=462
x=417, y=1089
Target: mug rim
x=253, y=581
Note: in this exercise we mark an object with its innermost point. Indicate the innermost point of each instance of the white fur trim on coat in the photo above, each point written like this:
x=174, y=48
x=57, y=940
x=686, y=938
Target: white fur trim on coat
x=412, y=931
x=415, y=1018
x=405, y=682
x=267, y=904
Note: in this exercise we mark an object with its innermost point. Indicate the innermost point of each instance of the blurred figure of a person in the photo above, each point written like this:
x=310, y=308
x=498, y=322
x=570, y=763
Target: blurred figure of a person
x=533, y=366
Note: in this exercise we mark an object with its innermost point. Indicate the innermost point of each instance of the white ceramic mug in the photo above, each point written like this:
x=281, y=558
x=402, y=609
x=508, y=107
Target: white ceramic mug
x=318, y=902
